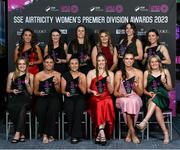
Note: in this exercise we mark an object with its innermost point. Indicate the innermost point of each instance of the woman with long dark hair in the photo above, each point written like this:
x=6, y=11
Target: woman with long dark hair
x=20, y=89
x=80, y=48
x=100, y=84
x=58, y=50
x=128, y=89
x=130, y=43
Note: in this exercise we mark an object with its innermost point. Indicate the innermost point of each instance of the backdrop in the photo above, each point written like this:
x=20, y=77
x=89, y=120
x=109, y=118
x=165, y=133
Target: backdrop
x=43, y=15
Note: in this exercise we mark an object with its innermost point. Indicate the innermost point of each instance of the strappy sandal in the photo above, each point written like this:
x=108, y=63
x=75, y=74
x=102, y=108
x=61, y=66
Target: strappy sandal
x=51, y=139
x=22, y=139
x=14, y=141
x=142, y=126
x=103, y=140
x=136, y=140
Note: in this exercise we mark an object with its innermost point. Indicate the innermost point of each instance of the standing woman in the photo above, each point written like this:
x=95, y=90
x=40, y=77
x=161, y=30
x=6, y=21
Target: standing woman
x=128, y=89
x=28, y=49
x=47, y=87
x=20, y=89
x=80, y=48
x=74, y=87
x=155, y=48
x=157, y=83
x=130, y=43
x=105, y=46
x=100, y=84
x=58, y=50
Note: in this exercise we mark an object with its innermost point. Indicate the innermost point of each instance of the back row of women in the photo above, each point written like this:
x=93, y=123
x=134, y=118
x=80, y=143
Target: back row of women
x=127, y=85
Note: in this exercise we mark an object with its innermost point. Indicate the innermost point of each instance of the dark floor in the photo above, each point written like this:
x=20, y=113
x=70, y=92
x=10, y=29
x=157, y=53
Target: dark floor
x=155, y=141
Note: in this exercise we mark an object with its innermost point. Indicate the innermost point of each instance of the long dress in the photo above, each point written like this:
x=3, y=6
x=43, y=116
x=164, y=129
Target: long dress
x=60, y=54
x=19, y=104
x=101, y=107
x=161, y=99
x=47, y=107
x=131, y=104
x=31, y=57
x=74, y=106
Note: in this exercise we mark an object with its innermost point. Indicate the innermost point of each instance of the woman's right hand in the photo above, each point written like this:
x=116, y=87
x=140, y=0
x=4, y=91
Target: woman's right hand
x=94, y=93
x=68, y=94
x=16, y=91
x=42, y=93
x=151, y=94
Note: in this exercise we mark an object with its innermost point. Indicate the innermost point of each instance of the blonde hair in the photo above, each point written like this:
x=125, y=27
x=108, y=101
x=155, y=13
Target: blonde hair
x=158, y=59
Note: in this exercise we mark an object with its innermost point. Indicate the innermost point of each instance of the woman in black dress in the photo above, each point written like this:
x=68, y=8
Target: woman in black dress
x=47, y=87
x=73, y=86
x=19, y=89
x=80, y=48
x=58, y=50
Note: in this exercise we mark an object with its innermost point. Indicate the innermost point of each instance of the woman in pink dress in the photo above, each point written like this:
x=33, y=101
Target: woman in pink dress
x=100, y=84
x=128, y=88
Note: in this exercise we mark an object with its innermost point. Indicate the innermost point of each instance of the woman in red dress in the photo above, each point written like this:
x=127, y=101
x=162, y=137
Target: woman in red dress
x=100, y=84
x=105, y=46
x=29, y=50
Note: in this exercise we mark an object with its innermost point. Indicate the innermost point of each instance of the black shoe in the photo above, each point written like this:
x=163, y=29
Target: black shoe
x=103, y=141
x=14, y=141
x=74, y=140
x=22, y=140
x=98, y=140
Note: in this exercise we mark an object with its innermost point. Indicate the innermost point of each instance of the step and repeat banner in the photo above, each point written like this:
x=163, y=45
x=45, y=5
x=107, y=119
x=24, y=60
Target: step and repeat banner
x=43, y=15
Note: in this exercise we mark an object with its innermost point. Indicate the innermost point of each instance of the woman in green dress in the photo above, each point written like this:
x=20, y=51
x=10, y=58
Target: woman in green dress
x=157, y=83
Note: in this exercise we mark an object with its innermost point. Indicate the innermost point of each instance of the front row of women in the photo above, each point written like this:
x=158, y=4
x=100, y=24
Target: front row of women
x=100, y=84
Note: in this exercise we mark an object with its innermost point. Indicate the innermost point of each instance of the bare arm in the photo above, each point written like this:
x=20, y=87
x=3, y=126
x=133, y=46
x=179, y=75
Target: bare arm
x=39, y=55
x=36, y=85
x=93, y=55
x=16, y=53
x=139, y=50
x=115, y=60
x=117, y=80
x=138, y=86
x=57, y=82
x=168, y=83
x=167, y=59
x=110, y=82
x=46, y=50
x=29, y=83
x=82, y=83
x=9, y=81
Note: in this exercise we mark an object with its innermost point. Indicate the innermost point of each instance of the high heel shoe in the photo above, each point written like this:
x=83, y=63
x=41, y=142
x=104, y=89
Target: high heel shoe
x=142, y=126
x=103, y=138
x=166, y=138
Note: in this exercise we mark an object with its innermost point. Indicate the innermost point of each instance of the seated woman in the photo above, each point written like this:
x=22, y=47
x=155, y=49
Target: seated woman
x=157, y=82
x=74, y=87
x=100, y=84
x=47, y=87
x=20, y=89
x=128, y=89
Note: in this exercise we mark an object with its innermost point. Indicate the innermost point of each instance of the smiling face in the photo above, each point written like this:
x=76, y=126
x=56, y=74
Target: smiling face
x=21, y=65
x=48, y=64
x=27, y=36
x=80, y=32
x=101, y=62
x=153, y=37
x=154, y=63
x=55, y=37
x=74, y=64
x=129, y=30
x=104, y=37
x=128, y=60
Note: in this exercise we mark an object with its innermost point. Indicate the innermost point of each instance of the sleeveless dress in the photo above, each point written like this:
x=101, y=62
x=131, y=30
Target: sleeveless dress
x=59, y=53
x=161, y=99
x=19, y=104
x=31, y=57
x=108, y=55
x=131, y=104
x=101, y=107
x=81, y=54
